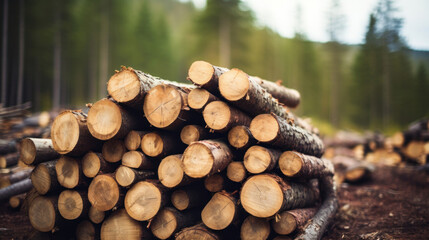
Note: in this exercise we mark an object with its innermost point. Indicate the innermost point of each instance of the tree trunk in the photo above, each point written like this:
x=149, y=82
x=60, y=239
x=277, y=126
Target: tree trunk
x=69, y=172
x=193, y=133
x=292, y=220
x=170, y=172
x=120, y=225
x=220, y=211
x=44, y=178
x=7, y=146
x=94, y=164
x=241, y=138
x=43, y=213
x=37, y=150
x=133, y=139
x=192, y=196
x=126, y=176
x=197, y=232
x=137, y=160
x=295, y=164
x=275, y=131
x=56, y=86
x=198, y=99
x=205, y=158
x=19, y=98
x=168, y=221
x=70, y=134
x=73, y=204
x=113, y=150
x=104, y=193
x=259, y=159
x=254, y=228
x=9, y=160
x=104, y=48
x=214, y=183
x=221, y=117
x=160, y=144
x=17, y=188
x=236, y=172
x=205, y=75
x=96, y=216
x=266, y=194
x=4, y=51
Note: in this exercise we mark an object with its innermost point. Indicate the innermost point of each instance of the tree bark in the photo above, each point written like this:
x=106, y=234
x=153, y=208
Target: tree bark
x=113, y=150
x=137, y=160
x=168, y=221
x=73, y=204
x=295, y=164
x=236, y=172
x=198, y=98
x=126, y=176
x=9, y=160
x=17, y=188
x=241, y=138
x=220, y=211
x=69, y=173
x=7, y=146
x=170, y=172
x=221, y=117
x=93, y=164
x=197, y=232
x=37, y=150
x=160, y=144
x=287, y=96
x=259, y=159
x=104, y=193
x=254, y=228
x=44, y=178
x=133, y=139
x=292, y=220
x=18, y=176
x=205, y=75
x=120, y=225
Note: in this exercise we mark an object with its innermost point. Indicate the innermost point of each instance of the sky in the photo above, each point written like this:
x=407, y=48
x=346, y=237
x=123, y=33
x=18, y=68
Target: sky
x=281, y=16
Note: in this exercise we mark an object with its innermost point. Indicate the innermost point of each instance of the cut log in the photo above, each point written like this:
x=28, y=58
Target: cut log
x=414, y=149
x=85, y=230
x=121, y=226
x=20, y=175
x=73, y=204
x=198, y=99
x=241, y=138
x=170, y=172
x=44, y=178
x=7, y=146
x=133, y=140
x=166, y=106
x=287, y=96
x=193, y=133
x=126, y=176
x=205, y=158
x=37, y=150
x=144, y=199
x=15, y=189
x=295, y=164
x=70, y=134
x=107, y=120
x=104, y=193
x=94, y=163
x=259, y=159
x=113, y=150
x=43, y=213
x=197, y=232
x=168, y=221
x=205, y=75
x=189, y=197
x=292, y=220
x=9, y=160
x=221, y=117
x=275, y=131
x=16, y=202
x=96, y=216
x=236, y=172
x=214, y=183
x=160, y=144
x=266, y=194
x=220, y=211
x=137, y=160
x=254, y=228
x=69, y=172
x=352, y=169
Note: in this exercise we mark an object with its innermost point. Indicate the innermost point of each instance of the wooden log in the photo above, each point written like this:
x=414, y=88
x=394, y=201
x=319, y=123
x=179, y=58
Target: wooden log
x=121, y=226
x=86, y=230
x=137, y=160
x=197, y=232
x=221, y=117
x=189, y=197
x=16, y=202
x=70, y=134
x=241, y=138
x=160, y=144
x=166, y=106
x=7, y=146
x=198, y=99
x=93, y=164
x=126, y=176
x=107, y=120
x=9, y=160
x=73, y=204
x=414, y=149
x=104, y=193
x=254, y=228
x=37, y=150
x=290, y=221
x=96, y=216
x=352, y=169
x=287, y=96
x=18, y=176
x=69, y=172
x=193, y=133
x=17, y=188
x=275, y=131
x=168, y=221
x=220, y=211
x=113, y=150
x=44, y=178
x=259, y=159
x=133, y=139
x=205, y=75
x=214, y=183
x=295, y=164
x=43, y=213
x=145, y=199
x=236, y=171
x=170, y=172
x=205, y=158
x=266, y=194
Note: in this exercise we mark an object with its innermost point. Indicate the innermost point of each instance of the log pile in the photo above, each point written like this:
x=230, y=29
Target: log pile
x=220, y=159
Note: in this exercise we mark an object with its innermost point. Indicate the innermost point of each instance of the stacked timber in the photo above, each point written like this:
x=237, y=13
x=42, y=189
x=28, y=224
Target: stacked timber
x=220, y=159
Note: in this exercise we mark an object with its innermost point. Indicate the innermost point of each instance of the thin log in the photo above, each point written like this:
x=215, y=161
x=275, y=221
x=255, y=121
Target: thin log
x=133, y=139
x=104, y=193
x=259, y=159
x=214, y=183
x=205, y=75
x=15, y=189
x=96, y=216
x=113, y=150
x=43, y=213
x=293, y=220
x=254, y=228
x=236, y=171
x=16, y=202
x=37, y=150
x=69, y=172
x=169, y=221
x=198, y=99
x=197, y=232
x=73, y=204
x=193, y=133
x=44, y=178
x=120, y=225
x=241, y=138
x=93, y=164
x=287, y=96
x=220, y=211
x=126, y=176
x=9, y=160
x=189, y=197
x=221, y=117
x=295, y=164
x=170, y=172
x=160, y=144
x=137, y=160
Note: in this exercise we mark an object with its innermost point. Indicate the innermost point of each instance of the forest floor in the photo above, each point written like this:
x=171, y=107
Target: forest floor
x=394, y=204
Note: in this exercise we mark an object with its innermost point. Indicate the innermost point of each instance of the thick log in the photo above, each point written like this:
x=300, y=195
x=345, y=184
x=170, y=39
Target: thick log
x=259, y=159
x=170, y=172
x=220, y=211
x=168, y=221
x=9, y=160
x=197, y=232
x=275, y=131
x=166, y=106
x=137, y=160
x=96, y=216
x=295, y=164
x=145, y=199
x=7, y=146
x=70, y=134
x=107, y=120
x=126, y=176
x=73, y=204
x=292, y=220
x=160, y=144
x=193, y=133
x=69, y=172
x=15, y=189
x=86, y=230
x=205, y=75
x=93, y=164
x=241, y=138
x=198, y=99
x=266, y=194
x=189, y=197
x=121, y=226
x=214, y=183
x=205, y=158
x=221, y=117
x=254, y=228
x=43, y=213
x=44, y=178
x=236, y=171
x=133, y=140
x=104, y=193
x=37, y=150
x=113, y=150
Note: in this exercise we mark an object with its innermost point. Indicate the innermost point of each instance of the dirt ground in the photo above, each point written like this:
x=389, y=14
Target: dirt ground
x=392, y=205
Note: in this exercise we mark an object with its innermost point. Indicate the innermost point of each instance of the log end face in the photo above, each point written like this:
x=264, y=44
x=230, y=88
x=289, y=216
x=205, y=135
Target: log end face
x=197, y=160
x=285, y=225
x=198, y=98
x=200, y=72
x=124, y=176
x=217, y=115
x=234, y=84
x=238, y=136
x=257, y=159
x=119, y=225
x=103, y=192
x=143, y=201
x=65, y=132
x=189, y=134
x=180, y=199
x=236, y=171
x=70, y=204
x=264, y=127
x=41, y=179
x=91, y=164
x=104, y=119
x=355, y=174
x=95, y=215
x=42, y=214
x=113, y=150
x=254, y=228
x=219, y=212
x=28, y=151
x=290, y=163
x=214, y=183
x=152, y=144
x=85, y=230
x=164, y=224
x=132, y=159
x=67, y=169
x=124, y=86
x=132, y=140
x=170, y=171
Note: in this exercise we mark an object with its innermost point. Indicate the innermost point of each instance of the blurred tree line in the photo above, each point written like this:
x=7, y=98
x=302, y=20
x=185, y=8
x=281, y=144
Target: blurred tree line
x=62, y=52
